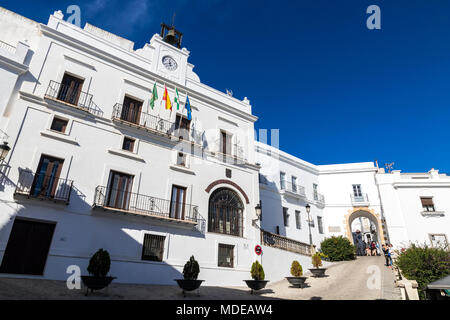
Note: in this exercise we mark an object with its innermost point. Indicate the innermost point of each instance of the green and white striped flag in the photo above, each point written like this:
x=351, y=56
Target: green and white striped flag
x=154, y=96
x=177, y=99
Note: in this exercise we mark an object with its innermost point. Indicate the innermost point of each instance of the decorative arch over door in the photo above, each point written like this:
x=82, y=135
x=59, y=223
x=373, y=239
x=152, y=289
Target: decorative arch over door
x=367, y=213
x=225, y=212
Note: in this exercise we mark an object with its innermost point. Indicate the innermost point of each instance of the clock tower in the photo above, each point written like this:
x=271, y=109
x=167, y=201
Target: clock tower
x=169, y=59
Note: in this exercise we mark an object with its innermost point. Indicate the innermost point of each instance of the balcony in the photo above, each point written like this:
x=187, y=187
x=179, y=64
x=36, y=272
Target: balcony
x=283, y=243
x=71, y=97
x=154, y=124
x=293, y=190
x=361, y=200
x=43, y=187
x=319, y=198
x=145, y=206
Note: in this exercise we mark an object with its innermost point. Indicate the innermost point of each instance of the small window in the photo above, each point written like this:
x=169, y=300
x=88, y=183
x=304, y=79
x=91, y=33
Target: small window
x=226, y=257
x=294, y=183
x=128, y=144
x=315, y=192
x=286, y=217
x=357, y=190
x=298, y=222
x=319, y=224
x=282, y=180
x=427, y=204
x=153, y=248
x=59, y=125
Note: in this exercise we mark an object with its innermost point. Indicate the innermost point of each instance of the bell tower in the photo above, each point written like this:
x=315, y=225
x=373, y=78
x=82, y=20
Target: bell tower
x=171, y=35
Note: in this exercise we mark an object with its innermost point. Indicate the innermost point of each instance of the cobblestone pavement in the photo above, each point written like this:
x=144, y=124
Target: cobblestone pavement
x=345, y=281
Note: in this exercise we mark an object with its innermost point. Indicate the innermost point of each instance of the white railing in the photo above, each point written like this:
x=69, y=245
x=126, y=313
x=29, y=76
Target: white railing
x=7, y=47
x=363, y=198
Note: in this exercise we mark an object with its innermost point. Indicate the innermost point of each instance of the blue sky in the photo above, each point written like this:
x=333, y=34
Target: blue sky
x=337, y=91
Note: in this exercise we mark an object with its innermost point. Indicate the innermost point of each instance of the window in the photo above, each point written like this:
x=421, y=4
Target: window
x=59, y=125
x=225, y=143
x=298, y=222
x=294, y=184
x=119, y=190
x=357, y=190
x=46, y=181
x=131, y=110
x=181, y=159
x=183, y=125
x=226, y=256
x=128, y=144
x=315, y=192
x=285, y=217
x=225, y=213
x=427, y=204
x=282, y=180
x=439, y=240
x=70, y=89
x=153, y=247
x=319, y=224
x=178, y=202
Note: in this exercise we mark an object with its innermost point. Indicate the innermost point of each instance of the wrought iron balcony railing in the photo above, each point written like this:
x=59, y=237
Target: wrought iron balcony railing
x=134, y=116
x=72, y=96
x=134, y=203
x=319, y=198
x=292, y=188
x=41, y=186
x=7, y=47
x=280, y=242
x=359, y=199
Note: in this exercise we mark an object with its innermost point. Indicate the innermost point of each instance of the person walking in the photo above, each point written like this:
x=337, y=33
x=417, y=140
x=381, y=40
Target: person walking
x=378, y=248
x=386, y=255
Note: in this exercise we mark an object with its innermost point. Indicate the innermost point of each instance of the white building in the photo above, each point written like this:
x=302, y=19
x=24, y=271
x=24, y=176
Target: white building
x=93, y=165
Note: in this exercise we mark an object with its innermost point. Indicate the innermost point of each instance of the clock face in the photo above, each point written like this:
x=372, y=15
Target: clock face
x=169, y=63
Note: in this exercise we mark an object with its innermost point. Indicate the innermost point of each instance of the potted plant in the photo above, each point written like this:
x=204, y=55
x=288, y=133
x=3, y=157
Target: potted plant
x=317, y=263
x=98, y=268
x=257, y=273
x=190, y=273
x=296, y=271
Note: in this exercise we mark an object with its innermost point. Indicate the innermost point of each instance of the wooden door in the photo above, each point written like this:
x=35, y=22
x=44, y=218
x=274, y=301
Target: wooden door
x=70, y=89
x=28, y=247
x=131, y=110
x=46, y=180
x=119, y=190
x=178, y=201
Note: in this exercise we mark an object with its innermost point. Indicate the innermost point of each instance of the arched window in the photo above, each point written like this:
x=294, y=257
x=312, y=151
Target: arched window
x=225, y=212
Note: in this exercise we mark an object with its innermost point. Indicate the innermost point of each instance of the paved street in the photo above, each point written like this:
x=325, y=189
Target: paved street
x=345, y=280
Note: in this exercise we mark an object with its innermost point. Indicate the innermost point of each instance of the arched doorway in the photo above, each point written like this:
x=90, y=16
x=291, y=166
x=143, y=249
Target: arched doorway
x=225, y=212
x=369, y=214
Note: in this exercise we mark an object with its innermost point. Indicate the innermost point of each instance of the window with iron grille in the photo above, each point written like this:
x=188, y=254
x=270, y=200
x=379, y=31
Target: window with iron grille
x=225, y=214
x=298, y=222
x=319, y=224
x=427, y=204
x=285, y=217
x=226, y=255
x=315, y=192
x=153, y=247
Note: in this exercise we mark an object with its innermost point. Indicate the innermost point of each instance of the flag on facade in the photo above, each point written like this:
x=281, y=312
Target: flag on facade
x=166, y=98
x=154, y=96
x=177, y=99
x=188, y=108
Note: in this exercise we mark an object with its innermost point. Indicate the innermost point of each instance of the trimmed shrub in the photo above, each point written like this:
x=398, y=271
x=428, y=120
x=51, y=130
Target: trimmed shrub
x=99, y=263
x=338, y=249
x=316, y=260
x=424, y=264
x=191, y=269
x=257, y=271
x=296, y=269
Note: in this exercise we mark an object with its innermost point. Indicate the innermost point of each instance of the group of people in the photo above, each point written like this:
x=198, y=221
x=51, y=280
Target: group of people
x=388, y=251
x=372, y=249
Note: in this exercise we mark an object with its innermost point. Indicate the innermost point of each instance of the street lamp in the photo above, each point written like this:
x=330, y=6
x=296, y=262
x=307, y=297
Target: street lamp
x=308, y=210
x=4, y=149
x=258, y=211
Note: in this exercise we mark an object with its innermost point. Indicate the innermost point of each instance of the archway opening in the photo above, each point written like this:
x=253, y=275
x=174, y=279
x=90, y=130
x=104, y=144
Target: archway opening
x=364, y=230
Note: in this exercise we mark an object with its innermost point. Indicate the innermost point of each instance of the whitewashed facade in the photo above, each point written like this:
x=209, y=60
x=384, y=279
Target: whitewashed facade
x=92, y=165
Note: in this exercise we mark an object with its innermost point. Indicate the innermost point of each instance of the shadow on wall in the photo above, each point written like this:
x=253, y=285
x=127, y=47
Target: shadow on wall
x=272, y=217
